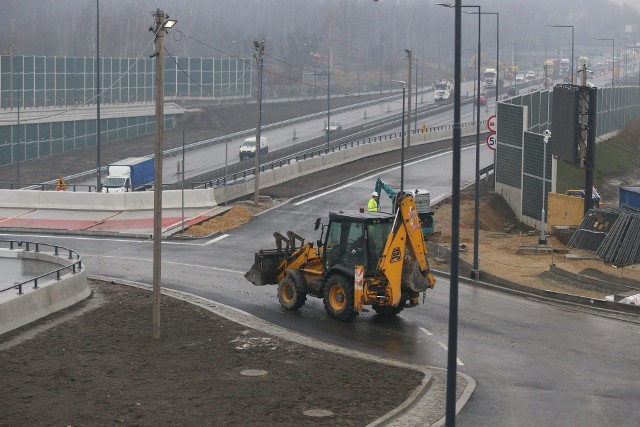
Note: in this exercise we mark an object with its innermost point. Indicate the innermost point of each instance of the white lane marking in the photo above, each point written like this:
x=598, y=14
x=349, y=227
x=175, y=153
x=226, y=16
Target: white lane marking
x=217, y=239
x=57, y=236
x=444, y=346
x=342, y=187
x=109, y=239
x=170, y=262
x=426, y=331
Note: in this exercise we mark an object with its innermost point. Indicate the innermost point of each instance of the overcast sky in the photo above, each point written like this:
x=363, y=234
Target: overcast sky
x=633, y=3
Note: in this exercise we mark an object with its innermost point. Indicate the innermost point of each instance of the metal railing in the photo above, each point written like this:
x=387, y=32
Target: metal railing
x=347, y=138
x=56, y=250
x=47, y=186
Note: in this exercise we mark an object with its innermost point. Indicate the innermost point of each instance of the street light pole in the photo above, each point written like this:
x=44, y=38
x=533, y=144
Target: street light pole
x=497, y=49
x=475, y=273
x=410, y=61
x=544, y=65
x=415, y=114
x=18, y=146
x=20, y=101
x=476, y=97
x=613, y=57
x=514, y=66
x=572, y=55
x=543, y=237
x=452, y=353
x=329, y=101
x=98, y=90
x=402, y=135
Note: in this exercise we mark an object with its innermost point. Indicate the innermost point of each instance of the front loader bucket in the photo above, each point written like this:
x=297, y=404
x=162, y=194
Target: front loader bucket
x=264, y=270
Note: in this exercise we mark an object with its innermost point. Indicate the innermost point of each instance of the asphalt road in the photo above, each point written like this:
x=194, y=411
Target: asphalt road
x=536, y=362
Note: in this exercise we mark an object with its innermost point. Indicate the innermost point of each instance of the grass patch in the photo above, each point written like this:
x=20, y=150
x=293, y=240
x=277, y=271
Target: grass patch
x=614, y=156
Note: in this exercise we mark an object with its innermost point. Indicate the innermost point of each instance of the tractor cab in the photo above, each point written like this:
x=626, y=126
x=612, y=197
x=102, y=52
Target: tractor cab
x=356, y=238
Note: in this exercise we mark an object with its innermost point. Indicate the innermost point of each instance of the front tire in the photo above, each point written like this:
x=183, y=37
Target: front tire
x=289, y=296
x=338, y=298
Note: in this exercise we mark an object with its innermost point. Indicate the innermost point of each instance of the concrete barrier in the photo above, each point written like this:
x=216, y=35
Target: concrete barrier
x=50, y=296
x=137, y=200
x=143, y=200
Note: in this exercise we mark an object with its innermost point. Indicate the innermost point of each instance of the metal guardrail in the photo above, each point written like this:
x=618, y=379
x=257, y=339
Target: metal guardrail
x=74, y=267
x=46, y=186
x=277, y=158
x=314, y=147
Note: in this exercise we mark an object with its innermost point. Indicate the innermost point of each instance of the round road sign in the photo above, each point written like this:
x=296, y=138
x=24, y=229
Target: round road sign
x=491, y=123
x=492, y=140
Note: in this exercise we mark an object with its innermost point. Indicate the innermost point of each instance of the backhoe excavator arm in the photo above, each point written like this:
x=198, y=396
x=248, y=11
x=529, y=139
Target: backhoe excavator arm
x=406, y=235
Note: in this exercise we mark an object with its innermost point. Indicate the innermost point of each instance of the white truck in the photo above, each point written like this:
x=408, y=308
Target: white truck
x=248, y=147
x=490, y=78
x=444, y=89
x=132, y=174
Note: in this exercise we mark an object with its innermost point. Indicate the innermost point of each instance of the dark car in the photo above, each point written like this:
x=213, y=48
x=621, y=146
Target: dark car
x=513, y=91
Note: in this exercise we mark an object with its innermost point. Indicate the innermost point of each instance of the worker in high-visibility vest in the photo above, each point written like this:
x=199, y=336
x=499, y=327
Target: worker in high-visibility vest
x=372, y=206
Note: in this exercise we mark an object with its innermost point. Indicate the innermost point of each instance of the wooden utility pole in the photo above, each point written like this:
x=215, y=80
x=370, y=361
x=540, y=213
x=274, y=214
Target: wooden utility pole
x=259, y=46
x=157, y=186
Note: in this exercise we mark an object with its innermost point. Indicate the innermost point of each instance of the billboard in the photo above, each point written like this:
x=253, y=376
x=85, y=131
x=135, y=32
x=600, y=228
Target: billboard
x=565, y=130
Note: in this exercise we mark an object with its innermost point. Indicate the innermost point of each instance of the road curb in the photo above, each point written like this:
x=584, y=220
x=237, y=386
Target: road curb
x=495, y=282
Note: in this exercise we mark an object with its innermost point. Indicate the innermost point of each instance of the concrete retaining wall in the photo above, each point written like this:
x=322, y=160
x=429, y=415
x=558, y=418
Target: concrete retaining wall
x=52, y=295
x=143, y=200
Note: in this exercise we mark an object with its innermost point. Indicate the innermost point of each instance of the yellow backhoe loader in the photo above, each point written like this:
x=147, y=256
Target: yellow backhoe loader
x=365, y=259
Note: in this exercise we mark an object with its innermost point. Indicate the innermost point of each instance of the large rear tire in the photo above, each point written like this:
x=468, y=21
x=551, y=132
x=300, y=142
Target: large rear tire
x=338, y=297
x=289, y=295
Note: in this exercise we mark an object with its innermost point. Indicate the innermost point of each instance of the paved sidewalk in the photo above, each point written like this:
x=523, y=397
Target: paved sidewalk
x=123, y=223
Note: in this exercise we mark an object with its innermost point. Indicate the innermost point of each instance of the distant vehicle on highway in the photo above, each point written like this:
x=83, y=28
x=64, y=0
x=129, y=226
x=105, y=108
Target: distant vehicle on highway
x=513, y=91
x=482, y=99
x=333, y=126
x=519, y=78
x=531, y=75
x=248, y=147
x=444, y=90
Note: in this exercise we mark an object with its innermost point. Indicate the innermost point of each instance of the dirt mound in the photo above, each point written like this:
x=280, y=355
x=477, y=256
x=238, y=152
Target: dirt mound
x=232, y=218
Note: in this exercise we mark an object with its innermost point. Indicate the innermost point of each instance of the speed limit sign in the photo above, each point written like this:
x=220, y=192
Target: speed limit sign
x=492, y=140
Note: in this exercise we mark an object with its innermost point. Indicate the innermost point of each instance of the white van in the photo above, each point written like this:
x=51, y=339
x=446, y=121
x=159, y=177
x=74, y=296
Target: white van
x=248, y=147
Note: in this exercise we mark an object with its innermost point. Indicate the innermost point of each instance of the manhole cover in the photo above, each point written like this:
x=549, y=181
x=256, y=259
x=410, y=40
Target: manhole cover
x=318, y=413
x=253, y=372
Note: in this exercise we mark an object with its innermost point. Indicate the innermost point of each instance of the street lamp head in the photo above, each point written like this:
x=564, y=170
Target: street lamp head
x=399, y=81
x=445, y=4
x=169, y=23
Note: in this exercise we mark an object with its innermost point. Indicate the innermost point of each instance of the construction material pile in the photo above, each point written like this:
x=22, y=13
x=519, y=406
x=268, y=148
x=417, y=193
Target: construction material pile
x=612, y=233
x=232, y=218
